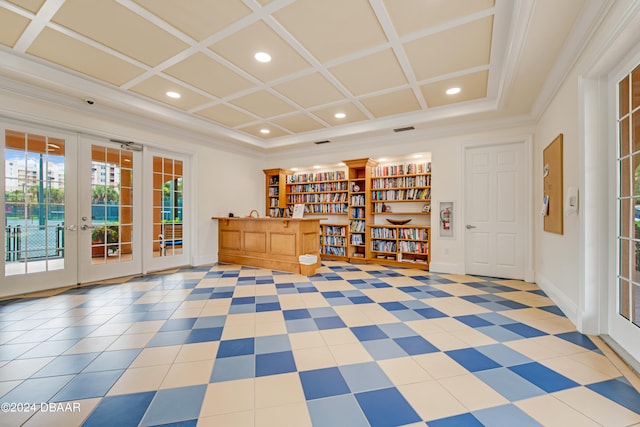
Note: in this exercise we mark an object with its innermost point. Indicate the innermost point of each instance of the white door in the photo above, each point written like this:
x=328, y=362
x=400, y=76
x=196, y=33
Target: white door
x=109, y=210
x=39, y=249
x=495, y=216
x=166, y=212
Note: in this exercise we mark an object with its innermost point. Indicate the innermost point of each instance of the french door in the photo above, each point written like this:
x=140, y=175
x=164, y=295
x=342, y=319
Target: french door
x=71, y=210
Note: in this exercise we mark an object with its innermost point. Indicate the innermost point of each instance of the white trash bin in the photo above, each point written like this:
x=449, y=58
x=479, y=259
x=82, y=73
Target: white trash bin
x=308, y=264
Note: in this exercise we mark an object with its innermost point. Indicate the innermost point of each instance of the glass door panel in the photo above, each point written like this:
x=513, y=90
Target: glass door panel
x=167, y=207
x=39, y=235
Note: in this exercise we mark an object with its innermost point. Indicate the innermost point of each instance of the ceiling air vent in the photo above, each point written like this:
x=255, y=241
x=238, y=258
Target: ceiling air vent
x=404, y=129
x=322, y=142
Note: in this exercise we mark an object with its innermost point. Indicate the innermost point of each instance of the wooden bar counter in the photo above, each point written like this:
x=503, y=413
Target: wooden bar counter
x=273, y=243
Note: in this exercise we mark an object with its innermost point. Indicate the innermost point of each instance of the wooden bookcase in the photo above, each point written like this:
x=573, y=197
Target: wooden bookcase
x=276, y=197
x=367, y=194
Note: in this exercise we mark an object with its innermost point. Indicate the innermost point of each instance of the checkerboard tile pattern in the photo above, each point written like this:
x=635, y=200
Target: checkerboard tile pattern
x=353, y=345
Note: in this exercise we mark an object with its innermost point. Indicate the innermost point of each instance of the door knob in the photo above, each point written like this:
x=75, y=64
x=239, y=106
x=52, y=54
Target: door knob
x=72, y=227
x=469, y=226
x=87, y=227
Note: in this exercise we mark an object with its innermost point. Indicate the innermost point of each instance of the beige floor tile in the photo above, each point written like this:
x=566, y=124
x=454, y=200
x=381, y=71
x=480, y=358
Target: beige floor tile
x=156, y=356
x=278, y=390
x=439, y=365
x=313, y=358
x=197, y=351
x=385, y=294
x=553, y=325
x=352, y=315
x=404, y=370
x=346, y=354
x=377, y=314
x=208, y=283
x=7, y=386
x=445, y=341
x=244, y=291
x=131, y=341
x=265, y=290
x=439, y=403
x=192, y=304
x=597, y=362
x=474, y=338
x=238, y=330
x=219, y=309
x=236, y=419
x=527, y=298
x=459, y=289
x=111, y=329
x=21, y=369
x=264, y=329
x=188, y=374
x=426, y=326
x=292, y=415
x=91, y=345
x=545, y=347
x=269, y=317
x=459, y=278
x=452, y=306
x=314, y=299
x=333, y=286
x=518, y=284
x=339, y=336
x=528, y=315
x=143, y=327
x=186, y=314
x=551, y=412
x=71, y=414
x=229, y=397
x=597, y=407
x=136, y=380
x=472, y=392
x=309, y=339
x=578, y=372
x=291, y=301
x=402, y=281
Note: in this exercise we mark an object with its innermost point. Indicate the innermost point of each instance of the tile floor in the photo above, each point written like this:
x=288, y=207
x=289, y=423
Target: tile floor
x=353, y=345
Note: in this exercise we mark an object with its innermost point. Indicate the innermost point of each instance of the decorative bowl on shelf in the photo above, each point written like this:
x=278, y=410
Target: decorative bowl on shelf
x=398, y=221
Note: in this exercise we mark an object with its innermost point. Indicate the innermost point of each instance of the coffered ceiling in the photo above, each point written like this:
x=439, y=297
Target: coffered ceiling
x=381, y=63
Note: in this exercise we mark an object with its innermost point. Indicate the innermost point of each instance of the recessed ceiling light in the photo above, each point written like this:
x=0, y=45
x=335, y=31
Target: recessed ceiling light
x=316, y=166
x=294, y=169
x=339, y=115
x=341, y=164
x=262, y=57
x=453, y=90
x=174, y=95
x=265, y=131
x=417, y=156
x=382, y=159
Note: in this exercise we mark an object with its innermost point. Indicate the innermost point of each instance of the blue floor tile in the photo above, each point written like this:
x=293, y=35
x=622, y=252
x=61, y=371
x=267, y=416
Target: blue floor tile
x=472, y=360
x=233, y=368
x=301, y=325
x=272, y=344
x=462, y=420
x=503, y=355
x=430, y=313
x=111, y=360
x=415, y=345
x=543, y=377
x=365, y=377
x=88, y=385
x=368, y=333
x=321, y=383
x=523, y=330
x=169, y=338
x=397, y=330
x=125, y=410
x=37, y=390
x=175, y=405
x=275, y=363
x=239, y=347
x=66, y=365
x=329, y=323
x=620, y=391
x=204, y=335
x=509, y=384
x=178, y=324
x=302, y=313
x=336, y=411
x=578, y=339
x=386, y=408
x=473, y=321
x=384, y=349
x=507, y=415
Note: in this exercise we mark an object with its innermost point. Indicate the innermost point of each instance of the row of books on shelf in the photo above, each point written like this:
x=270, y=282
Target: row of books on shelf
x=383, y=233
x=334, y=230
x=316, y=177
x=383, y=246
x=318, y=187
x=274, y=180
x=278, y=213
x=414, y=247
x=357, y=239
x=357, y=226
x=357, y=200
x=274, y=191
x=333, y=241
x=409, y=194
x=357, y=213
x=413, y=233
x=333, y=250
x=402, y=169
x=318, y=198
x=274, y=203
x=326, y=208
x=405, y=181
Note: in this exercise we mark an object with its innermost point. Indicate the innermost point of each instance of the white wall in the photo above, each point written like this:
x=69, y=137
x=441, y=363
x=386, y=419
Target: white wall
x=447, y=255
x=223, y=181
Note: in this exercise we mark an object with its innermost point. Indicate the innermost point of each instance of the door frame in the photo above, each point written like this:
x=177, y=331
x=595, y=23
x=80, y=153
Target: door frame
x=528, y=227
x=34, y=282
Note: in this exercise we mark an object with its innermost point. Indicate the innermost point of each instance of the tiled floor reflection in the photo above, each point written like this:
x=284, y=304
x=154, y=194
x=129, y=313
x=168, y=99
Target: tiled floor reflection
x=354, y=345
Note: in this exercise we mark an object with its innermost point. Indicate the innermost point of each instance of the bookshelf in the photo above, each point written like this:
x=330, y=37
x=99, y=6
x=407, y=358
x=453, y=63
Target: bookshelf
x=323, y=193
x=400, y=245
x=409, y=184
x=359, y=173
x=276, y=197
x=333, y=241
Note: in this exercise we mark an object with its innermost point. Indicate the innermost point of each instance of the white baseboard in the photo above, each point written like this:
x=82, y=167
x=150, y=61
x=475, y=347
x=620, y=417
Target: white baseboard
x=204, y=259
x=568, y=307
x=446, y=267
